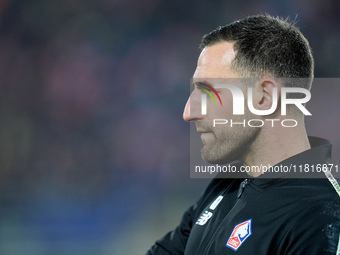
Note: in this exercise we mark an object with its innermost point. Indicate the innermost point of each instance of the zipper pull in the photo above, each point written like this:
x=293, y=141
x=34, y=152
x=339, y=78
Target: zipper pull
x=242, y=187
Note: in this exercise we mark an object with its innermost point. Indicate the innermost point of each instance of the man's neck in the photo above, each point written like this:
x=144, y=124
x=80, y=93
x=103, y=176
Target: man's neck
x=275, y=145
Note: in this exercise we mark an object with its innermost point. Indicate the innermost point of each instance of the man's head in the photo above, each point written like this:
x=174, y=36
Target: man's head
x=258, y=47
x=265, y=45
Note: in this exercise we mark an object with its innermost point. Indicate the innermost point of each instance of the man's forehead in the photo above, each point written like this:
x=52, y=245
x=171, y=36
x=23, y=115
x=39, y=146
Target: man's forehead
x=215, y=61
x=219, y=53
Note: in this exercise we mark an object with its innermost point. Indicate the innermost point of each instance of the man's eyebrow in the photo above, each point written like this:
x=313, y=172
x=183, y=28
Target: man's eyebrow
x=202, y=83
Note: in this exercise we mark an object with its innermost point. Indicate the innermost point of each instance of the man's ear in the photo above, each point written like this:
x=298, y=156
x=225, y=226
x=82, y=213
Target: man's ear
x=263, y=94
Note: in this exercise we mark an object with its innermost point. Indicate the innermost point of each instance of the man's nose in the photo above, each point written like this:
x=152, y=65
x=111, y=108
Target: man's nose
x=192, y=109
x=186, y=112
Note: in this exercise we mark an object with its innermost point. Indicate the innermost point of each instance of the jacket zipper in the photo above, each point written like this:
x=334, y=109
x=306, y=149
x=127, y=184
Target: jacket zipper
x=239, y=194
x=242, y=187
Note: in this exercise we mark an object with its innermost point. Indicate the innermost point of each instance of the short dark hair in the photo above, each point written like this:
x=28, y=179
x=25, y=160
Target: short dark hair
x=266, y=45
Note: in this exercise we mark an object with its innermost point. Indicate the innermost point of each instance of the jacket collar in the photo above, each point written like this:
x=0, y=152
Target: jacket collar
x=320, y=153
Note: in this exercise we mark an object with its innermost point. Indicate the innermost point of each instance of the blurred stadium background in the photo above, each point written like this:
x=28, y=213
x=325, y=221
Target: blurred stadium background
x=94, y=154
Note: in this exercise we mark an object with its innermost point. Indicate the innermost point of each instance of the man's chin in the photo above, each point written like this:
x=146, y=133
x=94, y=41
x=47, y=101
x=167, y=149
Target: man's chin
x=211, y=158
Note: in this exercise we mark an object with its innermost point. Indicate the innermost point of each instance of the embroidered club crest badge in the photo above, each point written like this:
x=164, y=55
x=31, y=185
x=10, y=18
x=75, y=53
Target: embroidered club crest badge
x=240, y=233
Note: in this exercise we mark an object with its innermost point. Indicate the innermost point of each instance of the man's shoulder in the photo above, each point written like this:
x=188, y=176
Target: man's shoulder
x=310, y=202
x=318, y=188
x=311, y=190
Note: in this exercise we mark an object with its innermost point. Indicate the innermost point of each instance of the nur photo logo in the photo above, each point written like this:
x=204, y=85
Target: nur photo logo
x=206, y=87
x=239, y=99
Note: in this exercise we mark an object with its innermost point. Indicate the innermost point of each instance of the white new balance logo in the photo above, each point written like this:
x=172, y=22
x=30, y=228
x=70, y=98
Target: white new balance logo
x=204, y=218
x=207, y=215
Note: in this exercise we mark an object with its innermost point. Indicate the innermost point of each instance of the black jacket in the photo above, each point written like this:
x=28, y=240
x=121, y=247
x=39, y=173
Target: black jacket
x=286, y=214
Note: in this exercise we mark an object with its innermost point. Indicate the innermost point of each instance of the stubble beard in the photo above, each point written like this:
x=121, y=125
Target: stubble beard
x=232, y=143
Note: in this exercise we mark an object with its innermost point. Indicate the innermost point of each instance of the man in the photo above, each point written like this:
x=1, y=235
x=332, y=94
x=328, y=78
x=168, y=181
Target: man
x=265, y=212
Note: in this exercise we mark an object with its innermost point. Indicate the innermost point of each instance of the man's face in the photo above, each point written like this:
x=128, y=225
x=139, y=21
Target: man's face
x=223, y=143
